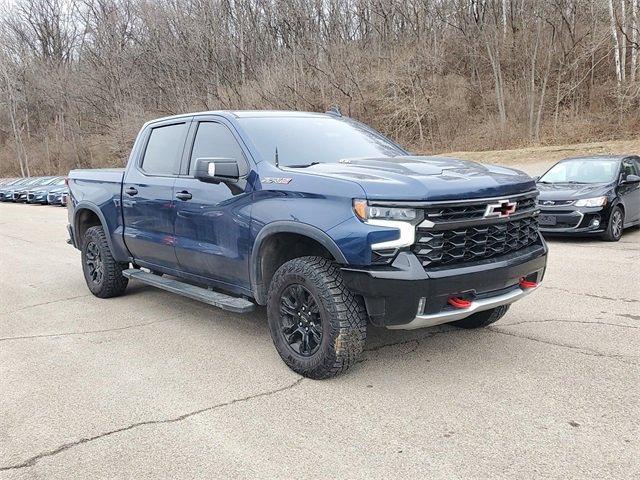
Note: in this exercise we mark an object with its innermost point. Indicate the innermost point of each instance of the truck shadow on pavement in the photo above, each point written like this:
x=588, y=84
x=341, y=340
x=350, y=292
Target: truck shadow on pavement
x=252, y=329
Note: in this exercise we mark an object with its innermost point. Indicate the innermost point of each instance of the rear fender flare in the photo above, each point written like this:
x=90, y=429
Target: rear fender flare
x=103, y=222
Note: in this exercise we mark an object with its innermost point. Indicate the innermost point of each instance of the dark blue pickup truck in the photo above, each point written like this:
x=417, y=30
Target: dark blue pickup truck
x=325, y=221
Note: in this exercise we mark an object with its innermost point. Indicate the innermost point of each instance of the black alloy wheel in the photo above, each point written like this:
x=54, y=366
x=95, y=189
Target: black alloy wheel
x=300, y=320
x=93, y=260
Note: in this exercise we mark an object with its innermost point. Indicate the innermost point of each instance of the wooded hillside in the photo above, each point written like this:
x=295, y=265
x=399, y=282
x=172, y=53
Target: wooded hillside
x=79, y=77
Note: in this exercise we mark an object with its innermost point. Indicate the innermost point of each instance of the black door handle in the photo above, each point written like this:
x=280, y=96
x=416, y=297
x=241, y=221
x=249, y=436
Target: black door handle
x=184, y=195
x=131, y=191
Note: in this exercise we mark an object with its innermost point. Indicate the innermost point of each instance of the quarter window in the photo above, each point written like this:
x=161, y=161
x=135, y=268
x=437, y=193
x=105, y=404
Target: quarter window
x=214, y=140
x=164, y=149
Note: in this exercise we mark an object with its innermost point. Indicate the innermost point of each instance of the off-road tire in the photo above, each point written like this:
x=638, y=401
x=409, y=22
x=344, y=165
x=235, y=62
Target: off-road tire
x=343, y=317
x=482, y=319
x=614, y=233
x=112, y=283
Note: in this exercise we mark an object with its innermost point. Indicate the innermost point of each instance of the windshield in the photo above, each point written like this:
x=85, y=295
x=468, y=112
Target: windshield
x=306, y=140
x=54, y=181
x=40, y=181
x=582, y=171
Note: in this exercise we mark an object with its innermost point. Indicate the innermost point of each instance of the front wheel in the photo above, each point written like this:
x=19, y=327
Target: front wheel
x=317, y=325
x=101, y=271
x=615, y=225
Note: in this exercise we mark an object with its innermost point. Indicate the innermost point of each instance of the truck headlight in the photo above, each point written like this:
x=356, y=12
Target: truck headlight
x=366, y=212
x=402, y=219
x=591, y=202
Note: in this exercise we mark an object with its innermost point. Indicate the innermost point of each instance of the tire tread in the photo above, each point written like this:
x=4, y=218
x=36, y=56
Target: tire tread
x=114, y=283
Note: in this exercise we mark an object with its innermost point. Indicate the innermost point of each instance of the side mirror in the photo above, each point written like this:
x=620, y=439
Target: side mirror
x=536, y=178
x=216, y=170
x=631, y=179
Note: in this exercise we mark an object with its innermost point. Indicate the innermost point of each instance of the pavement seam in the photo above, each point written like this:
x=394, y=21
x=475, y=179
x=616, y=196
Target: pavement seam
x=569, y=321
x=46, y=303
x=592, y=295
x=30, y=462
x=115, y=329
x=582, y=350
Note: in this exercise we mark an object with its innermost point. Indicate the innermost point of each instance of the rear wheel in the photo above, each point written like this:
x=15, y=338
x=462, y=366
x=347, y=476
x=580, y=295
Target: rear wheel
x=482, y=319
x=615, y=226
x=317, y=325
x=101, y=271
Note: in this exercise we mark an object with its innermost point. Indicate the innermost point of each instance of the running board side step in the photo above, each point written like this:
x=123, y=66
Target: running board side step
x=211, y=297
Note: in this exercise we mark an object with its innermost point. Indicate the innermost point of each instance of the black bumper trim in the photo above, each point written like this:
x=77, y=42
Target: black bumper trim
x=392, y=294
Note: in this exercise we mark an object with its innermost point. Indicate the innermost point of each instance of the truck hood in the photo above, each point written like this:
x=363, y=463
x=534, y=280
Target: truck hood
x=421, y=178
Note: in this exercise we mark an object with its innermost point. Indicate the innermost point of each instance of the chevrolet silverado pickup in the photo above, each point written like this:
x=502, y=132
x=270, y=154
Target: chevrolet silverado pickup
x=318, y=217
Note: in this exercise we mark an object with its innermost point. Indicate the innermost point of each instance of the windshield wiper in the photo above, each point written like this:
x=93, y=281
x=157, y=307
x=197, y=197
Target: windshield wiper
x=302, y=165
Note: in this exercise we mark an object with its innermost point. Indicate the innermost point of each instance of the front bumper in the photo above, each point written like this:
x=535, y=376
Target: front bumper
x=451, y=315
x=575, y=220
x=37, y=198
x=54, y=199
x=406, y=296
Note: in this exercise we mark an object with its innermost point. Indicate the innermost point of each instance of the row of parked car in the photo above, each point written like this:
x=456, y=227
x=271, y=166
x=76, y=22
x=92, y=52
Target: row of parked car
x=38, y=190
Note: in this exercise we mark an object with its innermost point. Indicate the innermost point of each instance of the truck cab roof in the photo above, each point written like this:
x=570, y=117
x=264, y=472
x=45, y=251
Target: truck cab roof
x=247, y=114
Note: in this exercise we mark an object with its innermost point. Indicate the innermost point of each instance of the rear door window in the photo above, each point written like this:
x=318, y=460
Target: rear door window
x=164, y=150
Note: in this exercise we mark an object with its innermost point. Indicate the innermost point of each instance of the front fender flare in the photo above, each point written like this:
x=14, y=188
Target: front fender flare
x=285, y=226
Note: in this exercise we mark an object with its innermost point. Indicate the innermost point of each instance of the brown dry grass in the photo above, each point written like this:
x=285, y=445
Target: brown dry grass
x=549, y=154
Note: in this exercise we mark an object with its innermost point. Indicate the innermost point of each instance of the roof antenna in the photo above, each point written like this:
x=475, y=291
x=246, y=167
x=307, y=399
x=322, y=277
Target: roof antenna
x=334, y=110
x=277, y=161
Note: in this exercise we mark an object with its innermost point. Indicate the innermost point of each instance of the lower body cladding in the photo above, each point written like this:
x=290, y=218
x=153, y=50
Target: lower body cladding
x=406, y=296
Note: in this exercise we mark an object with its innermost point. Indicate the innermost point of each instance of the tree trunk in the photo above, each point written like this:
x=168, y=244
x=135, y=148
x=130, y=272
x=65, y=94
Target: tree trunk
x=634, y=39
x=616, y=43
x=623, y=39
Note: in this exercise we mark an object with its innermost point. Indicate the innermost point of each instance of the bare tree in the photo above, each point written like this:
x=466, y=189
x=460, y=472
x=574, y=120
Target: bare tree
x=78, y=77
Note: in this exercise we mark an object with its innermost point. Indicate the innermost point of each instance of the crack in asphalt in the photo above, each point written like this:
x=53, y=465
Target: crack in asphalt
x=18, y=238
x=575, y=321
x=46, y=303
x=582, y=350
x=65, y=334
x=592, y=295
x=30, y=462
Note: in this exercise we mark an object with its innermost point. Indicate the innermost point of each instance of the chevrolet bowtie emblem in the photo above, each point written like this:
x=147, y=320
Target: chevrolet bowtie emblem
x=501, y=209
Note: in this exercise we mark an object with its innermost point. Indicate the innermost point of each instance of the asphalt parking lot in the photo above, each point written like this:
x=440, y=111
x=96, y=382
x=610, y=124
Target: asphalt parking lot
x=153, y=385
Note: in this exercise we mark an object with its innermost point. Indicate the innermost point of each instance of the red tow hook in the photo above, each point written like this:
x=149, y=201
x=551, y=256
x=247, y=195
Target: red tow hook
x=526, y=284
x=457, y=302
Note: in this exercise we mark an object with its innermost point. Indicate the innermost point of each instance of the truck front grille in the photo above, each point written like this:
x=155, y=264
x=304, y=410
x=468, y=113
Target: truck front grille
x=471, y=211
x=436, y=248
x=455, y=233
